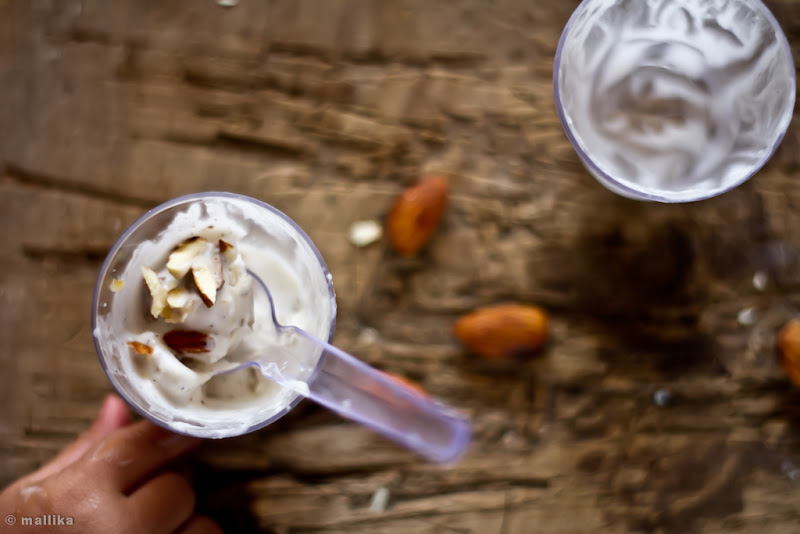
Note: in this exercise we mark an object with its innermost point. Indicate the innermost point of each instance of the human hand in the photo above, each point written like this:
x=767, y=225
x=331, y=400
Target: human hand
x=109, y=480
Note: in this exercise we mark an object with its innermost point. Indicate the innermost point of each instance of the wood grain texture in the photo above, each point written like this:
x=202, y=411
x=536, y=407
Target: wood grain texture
x=327, y=110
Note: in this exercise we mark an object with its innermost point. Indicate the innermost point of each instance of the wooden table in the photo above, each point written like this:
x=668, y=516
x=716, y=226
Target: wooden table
x=656, y=407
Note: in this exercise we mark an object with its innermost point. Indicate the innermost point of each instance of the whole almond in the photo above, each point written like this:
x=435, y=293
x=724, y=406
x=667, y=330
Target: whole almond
x=416, y=214
x=189, y=341
x=789, y=350
x=503, y=331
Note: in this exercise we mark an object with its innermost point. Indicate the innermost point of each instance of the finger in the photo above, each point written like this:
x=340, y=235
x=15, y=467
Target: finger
x=126, y=457
x=162, y=504
x=113, y=415
x=200, y=525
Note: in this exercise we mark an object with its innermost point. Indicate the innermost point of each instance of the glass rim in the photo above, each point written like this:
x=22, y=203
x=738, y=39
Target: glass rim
x=626, y=190
x=121, y=240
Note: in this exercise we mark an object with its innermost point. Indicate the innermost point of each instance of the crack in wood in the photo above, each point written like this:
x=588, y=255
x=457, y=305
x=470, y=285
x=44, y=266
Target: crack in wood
x=24, y=176
x=234, y=84
x=244, y=144
x=484, y=484
x=376, y=57
x=504, y=522
x=86, y=35
x=84, y=255
x=248, y=80
x=312, y=477
x=249, y=143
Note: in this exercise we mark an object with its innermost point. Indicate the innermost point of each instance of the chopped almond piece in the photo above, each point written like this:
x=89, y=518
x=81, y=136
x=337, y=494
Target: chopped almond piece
x=179, y=297
x=117, y=285
x=140, y=348
x=206, y=284
x=181, y=259
x=157, y=291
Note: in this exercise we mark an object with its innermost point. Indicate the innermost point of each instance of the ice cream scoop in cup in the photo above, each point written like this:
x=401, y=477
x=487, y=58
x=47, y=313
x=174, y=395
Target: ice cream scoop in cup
x=188, y=318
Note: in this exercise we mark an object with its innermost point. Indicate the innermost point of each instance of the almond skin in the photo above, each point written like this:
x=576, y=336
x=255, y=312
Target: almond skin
x=140, y=348
x=416, y=214
x=189, y=341
x=789, y=350
x=224, y=246
x=504, y=331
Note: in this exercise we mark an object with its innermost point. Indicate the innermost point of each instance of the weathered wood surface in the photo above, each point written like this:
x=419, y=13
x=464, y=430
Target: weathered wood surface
x=327, y=109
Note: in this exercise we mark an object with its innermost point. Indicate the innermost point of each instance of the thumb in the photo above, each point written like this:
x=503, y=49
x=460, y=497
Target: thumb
x=113, y=415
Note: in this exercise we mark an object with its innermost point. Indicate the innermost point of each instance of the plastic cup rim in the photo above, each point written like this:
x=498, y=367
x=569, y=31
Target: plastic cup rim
x=626, y=190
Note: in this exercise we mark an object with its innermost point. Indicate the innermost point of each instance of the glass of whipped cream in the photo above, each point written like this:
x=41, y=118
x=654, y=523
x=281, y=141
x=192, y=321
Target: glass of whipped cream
x=174, y=304
x=673, y=100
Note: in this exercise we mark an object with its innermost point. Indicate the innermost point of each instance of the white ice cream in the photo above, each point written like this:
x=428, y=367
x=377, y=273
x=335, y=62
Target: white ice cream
x=678, y=99
x=181, y=388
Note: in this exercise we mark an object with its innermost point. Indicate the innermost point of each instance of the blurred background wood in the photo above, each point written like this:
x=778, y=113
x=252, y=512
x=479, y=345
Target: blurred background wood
x=657, y=405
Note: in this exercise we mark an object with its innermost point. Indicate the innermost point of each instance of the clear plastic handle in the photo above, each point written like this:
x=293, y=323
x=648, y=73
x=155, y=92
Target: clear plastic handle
x=331, y=377
x=366, y=395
